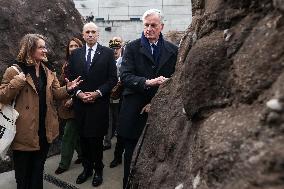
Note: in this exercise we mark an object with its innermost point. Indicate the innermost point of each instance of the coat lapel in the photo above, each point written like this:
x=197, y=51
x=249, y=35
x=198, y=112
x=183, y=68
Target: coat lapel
x=165, y=55
x=144, y=51
x=48, y=80
x=81, y=61
x=30, y=81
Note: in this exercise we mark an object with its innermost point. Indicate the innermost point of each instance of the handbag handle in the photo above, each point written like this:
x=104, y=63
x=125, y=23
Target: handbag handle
x=17, y=68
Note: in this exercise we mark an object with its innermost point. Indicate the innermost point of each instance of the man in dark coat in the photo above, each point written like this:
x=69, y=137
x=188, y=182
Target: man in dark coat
x=96, y=66
x=147, y=63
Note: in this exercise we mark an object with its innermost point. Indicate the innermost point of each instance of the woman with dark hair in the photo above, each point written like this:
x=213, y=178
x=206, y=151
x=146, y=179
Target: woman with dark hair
x=70, y=140
x=35, y=88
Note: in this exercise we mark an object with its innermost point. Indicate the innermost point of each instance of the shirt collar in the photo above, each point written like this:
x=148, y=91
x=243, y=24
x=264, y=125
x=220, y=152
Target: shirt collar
x=156, y=43
x=94, y=47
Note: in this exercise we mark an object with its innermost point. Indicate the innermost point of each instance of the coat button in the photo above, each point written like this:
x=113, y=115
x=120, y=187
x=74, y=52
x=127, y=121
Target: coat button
x=27, y=107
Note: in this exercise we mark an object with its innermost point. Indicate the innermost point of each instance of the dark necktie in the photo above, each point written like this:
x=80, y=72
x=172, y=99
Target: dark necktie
x=155, y=53
x=89, y=60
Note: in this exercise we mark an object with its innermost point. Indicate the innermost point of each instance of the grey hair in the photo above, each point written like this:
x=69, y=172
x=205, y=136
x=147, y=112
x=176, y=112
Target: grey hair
x=154, y=11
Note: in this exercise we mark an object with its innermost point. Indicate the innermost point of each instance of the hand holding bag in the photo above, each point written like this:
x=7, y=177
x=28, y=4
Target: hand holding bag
x=116, y=91
x=8, y=117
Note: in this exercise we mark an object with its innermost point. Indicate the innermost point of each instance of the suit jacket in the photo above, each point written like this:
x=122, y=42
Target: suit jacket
x=93, y=117
x=137, y=66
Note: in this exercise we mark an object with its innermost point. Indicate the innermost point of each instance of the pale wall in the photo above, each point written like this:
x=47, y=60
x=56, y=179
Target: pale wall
x=117, y=15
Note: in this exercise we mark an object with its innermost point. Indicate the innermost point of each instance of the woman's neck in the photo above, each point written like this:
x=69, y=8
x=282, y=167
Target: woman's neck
x=37, y=68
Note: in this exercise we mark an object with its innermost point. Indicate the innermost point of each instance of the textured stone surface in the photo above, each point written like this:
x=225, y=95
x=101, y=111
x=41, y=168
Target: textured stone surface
x=57, y=20
x=279, y=4
x=209, y=126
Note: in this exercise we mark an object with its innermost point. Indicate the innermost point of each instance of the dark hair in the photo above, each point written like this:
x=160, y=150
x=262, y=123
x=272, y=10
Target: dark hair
x=64, y=69
x=78, y=41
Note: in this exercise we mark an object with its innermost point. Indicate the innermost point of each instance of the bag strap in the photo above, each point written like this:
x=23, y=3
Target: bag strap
x=19, y=70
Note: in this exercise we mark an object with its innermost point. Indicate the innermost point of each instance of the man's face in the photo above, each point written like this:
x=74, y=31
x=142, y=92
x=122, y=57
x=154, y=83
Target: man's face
x=90, y=35
x=117, y=52
x=152, y=27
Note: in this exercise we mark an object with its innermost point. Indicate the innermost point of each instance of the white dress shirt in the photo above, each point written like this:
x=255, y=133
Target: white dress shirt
x=92, y=52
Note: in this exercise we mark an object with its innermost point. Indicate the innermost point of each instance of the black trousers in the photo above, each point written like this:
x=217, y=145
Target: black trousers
x=92, y=153
x=129, y=146
x=29, y=166
x=119, y=148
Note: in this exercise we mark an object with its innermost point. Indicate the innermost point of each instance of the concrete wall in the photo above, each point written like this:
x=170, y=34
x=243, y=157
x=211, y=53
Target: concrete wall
x=128, y=30
x=118, y=15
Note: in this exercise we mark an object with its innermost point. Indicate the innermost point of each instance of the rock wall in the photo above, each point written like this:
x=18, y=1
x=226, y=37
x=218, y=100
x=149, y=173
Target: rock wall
x=209, y=125
x=57, y=20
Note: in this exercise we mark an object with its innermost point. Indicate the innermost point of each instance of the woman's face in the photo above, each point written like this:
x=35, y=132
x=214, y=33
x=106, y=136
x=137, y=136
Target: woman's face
x=40, y=52
x=72, y=46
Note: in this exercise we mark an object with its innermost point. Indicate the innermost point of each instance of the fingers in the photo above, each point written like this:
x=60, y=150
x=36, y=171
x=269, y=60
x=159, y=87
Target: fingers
x=68, y=103
x=73, y=84
x=156, y=81
x=88, y=97
x=77, y=79
x=146, y=109
x=78, y=83
x=162, y=79
x=21, y=76
x=143, y=109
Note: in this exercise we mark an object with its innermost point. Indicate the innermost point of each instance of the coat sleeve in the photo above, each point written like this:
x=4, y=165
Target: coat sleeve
x=128, y=75
x=58, y=92
x=112, y=76
x=10, y=86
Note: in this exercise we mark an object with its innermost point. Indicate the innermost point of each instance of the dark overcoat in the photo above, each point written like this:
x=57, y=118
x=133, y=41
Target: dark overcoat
x=93, y=117
x=137, y=66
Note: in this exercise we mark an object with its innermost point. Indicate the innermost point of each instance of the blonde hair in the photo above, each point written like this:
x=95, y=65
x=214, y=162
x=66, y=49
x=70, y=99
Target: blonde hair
x=28, y=46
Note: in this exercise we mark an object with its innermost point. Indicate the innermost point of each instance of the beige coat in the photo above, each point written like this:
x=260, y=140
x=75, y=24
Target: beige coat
x=65, y=113
x=27, y=105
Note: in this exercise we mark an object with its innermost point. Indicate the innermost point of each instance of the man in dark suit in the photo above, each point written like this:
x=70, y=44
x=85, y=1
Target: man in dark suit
x=96, y=66
x=147, y=63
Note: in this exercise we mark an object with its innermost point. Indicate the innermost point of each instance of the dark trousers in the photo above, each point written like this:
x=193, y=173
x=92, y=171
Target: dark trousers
x=92, y=153
x=129, y=146
x=29, y=166
x=119, y=148
x=113, y=121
